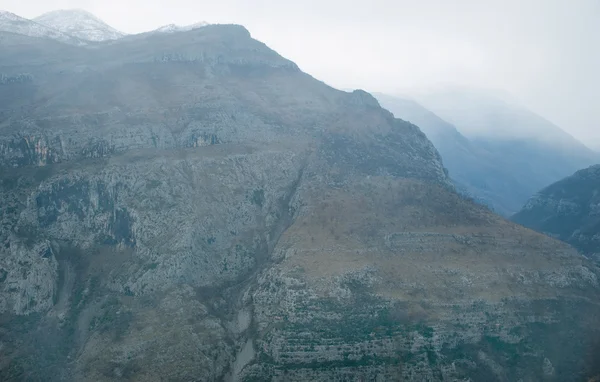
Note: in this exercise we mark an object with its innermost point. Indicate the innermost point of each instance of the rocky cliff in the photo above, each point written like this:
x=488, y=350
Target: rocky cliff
x=568, y=210
x=192, y=206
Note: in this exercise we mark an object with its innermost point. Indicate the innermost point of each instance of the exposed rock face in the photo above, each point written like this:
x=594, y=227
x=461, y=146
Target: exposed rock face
x=192, y=206
x=568, y=210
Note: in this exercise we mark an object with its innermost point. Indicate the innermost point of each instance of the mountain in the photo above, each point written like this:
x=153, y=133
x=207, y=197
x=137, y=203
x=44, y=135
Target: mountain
x=80, y=24
x=568, y=210
x=192, y=206
x=9, y=22
x=528, y=151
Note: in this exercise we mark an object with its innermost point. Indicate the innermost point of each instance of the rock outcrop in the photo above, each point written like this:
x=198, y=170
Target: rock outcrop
x=192, y=206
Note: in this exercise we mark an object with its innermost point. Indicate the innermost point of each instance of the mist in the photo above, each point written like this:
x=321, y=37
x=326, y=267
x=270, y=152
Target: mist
x=543, y=53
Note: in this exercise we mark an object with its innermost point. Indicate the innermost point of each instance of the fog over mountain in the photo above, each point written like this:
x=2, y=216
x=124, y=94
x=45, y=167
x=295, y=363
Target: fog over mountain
x=495, y=149
x=542, y=52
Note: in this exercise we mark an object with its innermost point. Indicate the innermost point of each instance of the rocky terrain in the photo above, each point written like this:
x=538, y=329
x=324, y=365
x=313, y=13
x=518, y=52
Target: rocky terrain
x=568, y=210
x=192, y=206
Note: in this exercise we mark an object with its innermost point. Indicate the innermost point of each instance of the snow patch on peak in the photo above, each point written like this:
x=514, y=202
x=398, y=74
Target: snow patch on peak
x=9, y=22
x=79, y=23
x=74, y=12
x=172, y=28
x=5, y=15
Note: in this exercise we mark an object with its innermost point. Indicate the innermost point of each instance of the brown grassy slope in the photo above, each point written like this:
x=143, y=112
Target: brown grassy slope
x=422, y=234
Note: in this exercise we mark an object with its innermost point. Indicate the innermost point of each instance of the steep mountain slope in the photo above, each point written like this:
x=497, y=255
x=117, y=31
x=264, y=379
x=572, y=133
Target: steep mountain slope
x=80, y=24
x=568, y=210
x=192, y=206
x=532, y=151
x=471, y=167
x=9, y=22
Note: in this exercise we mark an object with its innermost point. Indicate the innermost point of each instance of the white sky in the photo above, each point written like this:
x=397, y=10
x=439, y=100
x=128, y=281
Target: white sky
x=546, y=53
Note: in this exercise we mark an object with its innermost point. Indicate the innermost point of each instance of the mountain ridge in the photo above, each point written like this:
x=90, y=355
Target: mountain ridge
x=170, y=28
x=77, y=27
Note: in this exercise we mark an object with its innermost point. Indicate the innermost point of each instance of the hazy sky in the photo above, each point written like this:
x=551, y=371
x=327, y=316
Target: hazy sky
x=546, y=53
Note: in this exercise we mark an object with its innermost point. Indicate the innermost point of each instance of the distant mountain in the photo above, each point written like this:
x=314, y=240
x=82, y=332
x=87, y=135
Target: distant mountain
x=9, y=22
x=471, y=167
x=482, y=115
x=80, y=24
x=525, y=150
x=568, y=210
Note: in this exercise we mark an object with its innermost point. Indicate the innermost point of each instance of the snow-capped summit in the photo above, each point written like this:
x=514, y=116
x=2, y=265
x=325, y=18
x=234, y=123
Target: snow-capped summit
x=4, y=15
x=172, y=28
x=79, y=23
x=9, y=22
